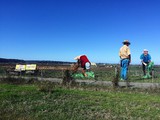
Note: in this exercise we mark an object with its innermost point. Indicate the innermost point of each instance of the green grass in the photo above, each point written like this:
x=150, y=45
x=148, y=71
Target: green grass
x=27, y=102
x=104, y=75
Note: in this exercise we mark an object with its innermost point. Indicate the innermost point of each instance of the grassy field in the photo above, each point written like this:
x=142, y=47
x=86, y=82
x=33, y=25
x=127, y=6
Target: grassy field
x=46, y=101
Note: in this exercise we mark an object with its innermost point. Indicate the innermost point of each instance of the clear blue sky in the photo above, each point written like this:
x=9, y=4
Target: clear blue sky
x=63, y=29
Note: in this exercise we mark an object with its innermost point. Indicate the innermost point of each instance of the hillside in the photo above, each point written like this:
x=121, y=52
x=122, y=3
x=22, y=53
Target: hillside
x=15, y=61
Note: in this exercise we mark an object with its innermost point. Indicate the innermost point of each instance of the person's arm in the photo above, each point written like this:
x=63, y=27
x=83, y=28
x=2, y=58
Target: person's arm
x=129, y=57
x=149, y=58
x=84, y=72
x=129, y=54
x=141, y=57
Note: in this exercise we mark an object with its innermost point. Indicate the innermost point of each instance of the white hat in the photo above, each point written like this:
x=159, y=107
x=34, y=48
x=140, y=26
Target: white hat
x=87, y=65
x=145, y=50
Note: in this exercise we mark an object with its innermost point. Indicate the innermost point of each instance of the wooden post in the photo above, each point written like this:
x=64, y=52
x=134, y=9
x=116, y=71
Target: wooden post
x=116, y=77
x=115, y=71
x=20, y=73
x=152, y=75
x=62, y=73
x=41, y=73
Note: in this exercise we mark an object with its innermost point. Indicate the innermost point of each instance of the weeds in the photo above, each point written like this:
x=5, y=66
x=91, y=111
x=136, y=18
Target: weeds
x=46, y=86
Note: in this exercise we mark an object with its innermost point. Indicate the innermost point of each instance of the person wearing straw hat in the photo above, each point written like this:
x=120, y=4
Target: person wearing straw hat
x=83, y=62
x=125, y=56
x=145, y=59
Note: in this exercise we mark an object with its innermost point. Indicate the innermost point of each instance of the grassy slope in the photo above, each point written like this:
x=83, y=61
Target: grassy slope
x=26, y=102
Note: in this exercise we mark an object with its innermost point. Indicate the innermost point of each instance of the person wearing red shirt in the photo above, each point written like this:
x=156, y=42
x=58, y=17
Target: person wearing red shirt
x=83, y=62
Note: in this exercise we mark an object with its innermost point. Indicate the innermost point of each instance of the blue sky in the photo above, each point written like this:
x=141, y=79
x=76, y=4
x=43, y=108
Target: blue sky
x=63, y=29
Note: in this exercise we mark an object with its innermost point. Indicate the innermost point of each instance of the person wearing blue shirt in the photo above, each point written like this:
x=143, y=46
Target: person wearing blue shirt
x=145, y=59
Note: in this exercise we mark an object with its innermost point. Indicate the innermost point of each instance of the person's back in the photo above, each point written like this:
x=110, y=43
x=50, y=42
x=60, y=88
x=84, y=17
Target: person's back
x=124, y=52
x=83, y=60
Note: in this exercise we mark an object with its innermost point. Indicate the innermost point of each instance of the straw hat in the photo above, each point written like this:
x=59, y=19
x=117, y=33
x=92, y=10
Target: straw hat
x=126, y=42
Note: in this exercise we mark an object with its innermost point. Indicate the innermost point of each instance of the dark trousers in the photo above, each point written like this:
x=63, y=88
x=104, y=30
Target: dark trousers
x=144, y=67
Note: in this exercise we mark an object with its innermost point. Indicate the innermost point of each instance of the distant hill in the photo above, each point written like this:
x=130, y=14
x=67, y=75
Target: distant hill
x=16, y=61
x=4, y=60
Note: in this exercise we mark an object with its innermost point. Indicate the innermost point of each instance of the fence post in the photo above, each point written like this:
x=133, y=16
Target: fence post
x=115, y=71
x=115, y=79
x=62, y=73
x=20, y=73
x=152, y=76
x=41, y=74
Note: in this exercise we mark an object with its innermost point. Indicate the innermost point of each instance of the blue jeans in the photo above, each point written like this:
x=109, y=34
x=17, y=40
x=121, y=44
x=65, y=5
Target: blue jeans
x=124, y=68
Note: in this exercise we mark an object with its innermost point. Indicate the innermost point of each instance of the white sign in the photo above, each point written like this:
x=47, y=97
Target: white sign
x=20, y=68
x=31, y=67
